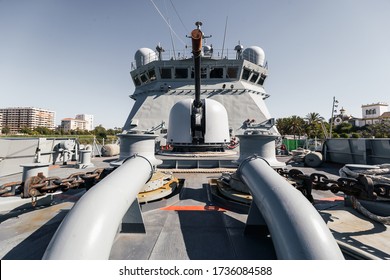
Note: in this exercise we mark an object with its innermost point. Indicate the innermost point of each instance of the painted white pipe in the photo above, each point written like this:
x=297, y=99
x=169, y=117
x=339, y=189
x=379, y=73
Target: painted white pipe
x=297, y=229
x=89, y=229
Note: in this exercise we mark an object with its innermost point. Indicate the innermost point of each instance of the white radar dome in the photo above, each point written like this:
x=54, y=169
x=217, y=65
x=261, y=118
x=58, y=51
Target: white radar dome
x=144, y=56
x=207, y=50
x=254, y=54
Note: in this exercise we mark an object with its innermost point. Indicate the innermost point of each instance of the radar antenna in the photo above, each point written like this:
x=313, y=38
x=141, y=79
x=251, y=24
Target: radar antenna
x=224, y=37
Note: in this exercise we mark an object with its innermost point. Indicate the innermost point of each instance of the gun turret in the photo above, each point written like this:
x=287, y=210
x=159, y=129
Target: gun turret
x=208, y=118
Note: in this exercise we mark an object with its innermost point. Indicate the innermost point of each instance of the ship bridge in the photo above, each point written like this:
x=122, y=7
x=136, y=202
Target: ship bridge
x=162, y=78
x=150, y=67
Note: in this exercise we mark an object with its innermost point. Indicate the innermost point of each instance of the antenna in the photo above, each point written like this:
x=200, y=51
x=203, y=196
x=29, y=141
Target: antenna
x=173, y=44
x=170, y=27
x=224, y=37
x=159, y=50
x=179, y=17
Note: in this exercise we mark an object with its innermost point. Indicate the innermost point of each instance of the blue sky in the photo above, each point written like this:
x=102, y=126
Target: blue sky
x=74, y=56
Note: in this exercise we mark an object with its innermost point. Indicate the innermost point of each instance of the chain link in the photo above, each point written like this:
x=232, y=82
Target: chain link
x=40, y=185
x=362, y=187
x=10, y=189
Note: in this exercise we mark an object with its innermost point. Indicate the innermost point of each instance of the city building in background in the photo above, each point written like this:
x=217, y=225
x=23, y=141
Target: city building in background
x=372, y=113
x=68, y=124
x=88, y=119
x=385, y=116
x=80, y=122
x=18, y=118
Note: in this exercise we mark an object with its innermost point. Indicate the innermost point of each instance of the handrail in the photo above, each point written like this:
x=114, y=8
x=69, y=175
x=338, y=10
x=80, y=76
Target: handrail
x=89, y=229
x=297, y=230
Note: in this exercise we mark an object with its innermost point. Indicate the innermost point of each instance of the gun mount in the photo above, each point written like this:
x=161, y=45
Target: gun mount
x=196, y=124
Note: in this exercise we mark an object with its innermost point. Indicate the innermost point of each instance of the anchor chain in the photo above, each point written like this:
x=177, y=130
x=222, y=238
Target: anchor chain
x=362, y=187
x=40, y=185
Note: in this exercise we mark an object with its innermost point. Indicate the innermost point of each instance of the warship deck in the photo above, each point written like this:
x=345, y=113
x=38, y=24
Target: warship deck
x=189, y=225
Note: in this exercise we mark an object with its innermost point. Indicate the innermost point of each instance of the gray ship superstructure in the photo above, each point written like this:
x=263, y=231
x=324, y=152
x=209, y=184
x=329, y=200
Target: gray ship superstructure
x=235, y=83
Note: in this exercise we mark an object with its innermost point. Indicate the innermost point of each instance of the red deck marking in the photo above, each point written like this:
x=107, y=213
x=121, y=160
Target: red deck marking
x=53, y=167
x=336, y=198
x=193, y=208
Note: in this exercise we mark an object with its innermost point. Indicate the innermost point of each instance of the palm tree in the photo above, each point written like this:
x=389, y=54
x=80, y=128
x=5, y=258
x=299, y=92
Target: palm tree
x=297, y=125
x=313, y=117
x=283, y=126
x=292, y=125
x=313, y=127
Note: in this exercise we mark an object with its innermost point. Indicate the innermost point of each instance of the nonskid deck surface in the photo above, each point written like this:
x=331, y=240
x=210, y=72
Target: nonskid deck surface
x=354, y=232
x=189, y=225
x=25, y=231
x=193, y=227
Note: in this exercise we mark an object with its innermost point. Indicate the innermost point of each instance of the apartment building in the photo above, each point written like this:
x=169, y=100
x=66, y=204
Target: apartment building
x=17, y=118
x=68, y=124
x=88, y=119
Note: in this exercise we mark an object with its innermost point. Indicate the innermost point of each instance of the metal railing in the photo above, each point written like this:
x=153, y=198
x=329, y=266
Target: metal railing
x=186, y=54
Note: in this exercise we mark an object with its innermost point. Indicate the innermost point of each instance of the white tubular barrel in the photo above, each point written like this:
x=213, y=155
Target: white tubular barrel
x=297, y=230
x=89, y=229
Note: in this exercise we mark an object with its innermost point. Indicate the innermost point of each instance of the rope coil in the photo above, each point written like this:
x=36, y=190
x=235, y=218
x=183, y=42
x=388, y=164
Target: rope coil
x=359, y=207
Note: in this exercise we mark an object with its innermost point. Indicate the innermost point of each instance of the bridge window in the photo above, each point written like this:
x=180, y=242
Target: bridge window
x=232, y=73
x=203, y=73
x=216, y=73
x=136, y=81
x=254, y=77
x=165, y=73
x=181, y=73
x=144, y=78
x=152, y=74
x=262, y=79
x=245, y=74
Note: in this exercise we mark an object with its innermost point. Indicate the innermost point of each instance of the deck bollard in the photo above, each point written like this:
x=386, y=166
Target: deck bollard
x=32, y=169
x=85, y=159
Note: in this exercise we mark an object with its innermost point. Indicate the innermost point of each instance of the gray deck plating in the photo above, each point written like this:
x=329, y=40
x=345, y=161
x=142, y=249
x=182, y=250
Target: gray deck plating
x=352, y=230
x=190, y=229
x=186, y=230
